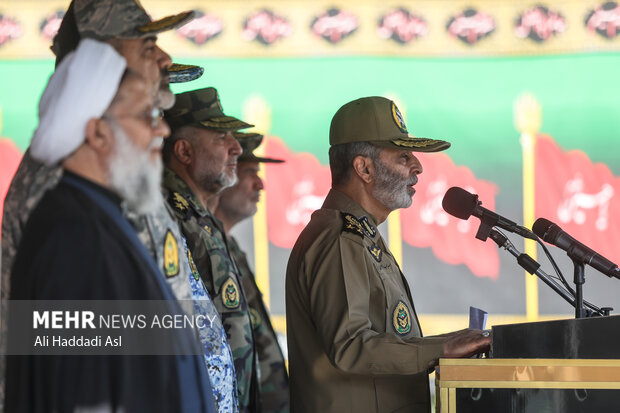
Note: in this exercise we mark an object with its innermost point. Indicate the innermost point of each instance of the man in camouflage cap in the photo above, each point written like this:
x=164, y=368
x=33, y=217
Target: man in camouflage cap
x=126, y=26
x=234, y=205
x=201, y=158
x=353, y=333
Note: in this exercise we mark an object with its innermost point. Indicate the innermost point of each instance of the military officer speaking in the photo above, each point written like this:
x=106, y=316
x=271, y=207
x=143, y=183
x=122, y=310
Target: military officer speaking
x=354, y=340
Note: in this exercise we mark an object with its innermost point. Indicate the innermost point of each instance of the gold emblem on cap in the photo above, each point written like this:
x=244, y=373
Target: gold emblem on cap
x=171, y=255
x=230, y=294
x=401, y=319
x=398, y=118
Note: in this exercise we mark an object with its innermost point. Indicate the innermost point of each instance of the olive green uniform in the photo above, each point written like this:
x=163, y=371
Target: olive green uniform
x=273, y=380
x=354, y=340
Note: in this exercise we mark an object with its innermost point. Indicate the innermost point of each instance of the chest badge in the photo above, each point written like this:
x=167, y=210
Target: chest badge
x=376, y=252
x=208, y=229
x=171, y=255
x=254, y=318
x=401, y=319
x=192, y=266
x=230, y=294
x=368, y=228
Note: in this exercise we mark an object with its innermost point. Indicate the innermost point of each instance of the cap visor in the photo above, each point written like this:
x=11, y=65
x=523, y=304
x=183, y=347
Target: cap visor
x=414, y=144
x=179, y=73
x=166, y=23
x=260, y=159
x=225, y=124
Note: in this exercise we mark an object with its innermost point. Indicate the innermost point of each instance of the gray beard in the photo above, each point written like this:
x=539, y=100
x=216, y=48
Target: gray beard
x=216, y=184
x=133, y=175
x=391, y=188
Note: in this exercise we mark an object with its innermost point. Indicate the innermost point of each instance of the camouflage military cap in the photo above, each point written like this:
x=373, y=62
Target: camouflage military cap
x=249, y=142
x=202, y=108
x=378, y=121
x=179, y=73
x=123, y=19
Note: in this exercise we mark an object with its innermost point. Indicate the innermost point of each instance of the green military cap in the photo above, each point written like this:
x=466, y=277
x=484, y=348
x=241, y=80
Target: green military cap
x=378, y=121
x=123, y=19
x=202, y=107
x=249, y=142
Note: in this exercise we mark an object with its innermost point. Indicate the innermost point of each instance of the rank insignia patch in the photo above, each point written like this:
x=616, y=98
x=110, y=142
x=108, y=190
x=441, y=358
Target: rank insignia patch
x=368, y=228
x=376, y=252
x=254, y=317
x=192, y=266
x=179, y=203
x=401, y=319
x=230, y=294
x=208, y=229
x=351, y=224
x=171, y=255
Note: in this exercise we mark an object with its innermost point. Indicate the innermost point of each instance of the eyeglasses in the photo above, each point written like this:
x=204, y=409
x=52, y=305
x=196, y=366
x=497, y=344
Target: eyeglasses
x=152, y=117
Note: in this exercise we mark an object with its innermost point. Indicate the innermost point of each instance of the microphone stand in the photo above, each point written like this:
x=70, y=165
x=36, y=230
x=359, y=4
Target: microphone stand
x=579, y=281
x=531, y=266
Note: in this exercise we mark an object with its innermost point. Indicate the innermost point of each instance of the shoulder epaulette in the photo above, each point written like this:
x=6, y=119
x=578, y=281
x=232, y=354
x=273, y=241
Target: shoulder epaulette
x=351, y=224
x=178, y=203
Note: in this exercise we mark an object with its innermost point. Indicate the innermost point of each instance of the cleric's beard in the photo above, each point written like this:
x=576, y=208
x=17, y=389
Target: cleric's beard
x=133, y=174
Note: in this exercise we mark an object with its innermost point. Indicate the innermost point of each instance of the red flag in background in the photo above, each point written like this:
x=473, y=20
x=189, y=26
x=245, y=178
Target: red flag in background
x=10, y=157
x=582, y=197
x=426, y=224
x=295, y=189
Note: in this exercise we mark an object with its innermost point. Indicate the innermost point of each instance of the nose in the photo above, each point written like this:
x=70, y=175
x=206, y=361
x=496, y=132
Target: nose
x=416, y=165
x=162, y=129
x=163, y=59
x=259, y=184
x=235, y=148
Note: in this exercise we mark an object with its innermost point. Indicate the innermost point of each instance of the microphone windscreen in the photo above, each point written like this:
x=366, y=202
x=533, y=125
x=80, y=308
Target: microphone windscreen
x=459, y=203
x=541, y=228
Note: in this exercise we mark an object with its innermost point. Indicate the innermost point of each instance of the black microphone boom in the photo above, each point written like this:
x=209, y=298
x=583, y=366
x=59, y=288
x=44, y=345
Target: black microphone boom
x=553, y=234
x=462, y=204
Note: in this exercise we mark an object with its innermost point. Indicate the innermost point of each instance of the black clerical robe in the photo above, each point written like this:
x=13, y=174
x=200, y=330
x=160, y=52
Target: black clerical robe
x=74, y=249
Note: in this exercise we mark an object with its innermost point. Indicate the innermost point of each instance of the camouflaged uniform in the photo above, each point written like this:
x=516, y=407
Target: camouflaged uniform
x=220, y=275
x=31, y=181
x=161, y=235
x=354, y=340
x=273, y=380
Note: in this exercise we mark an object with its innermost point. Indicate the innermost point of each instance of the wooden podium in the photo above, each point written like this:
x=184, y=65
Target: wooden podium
x=528, y=385
x=565, y=366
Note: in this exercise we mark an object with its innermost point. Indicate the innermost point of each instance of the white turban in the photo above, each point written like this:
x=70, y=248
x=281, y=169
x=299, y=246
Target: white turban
x=81, y=88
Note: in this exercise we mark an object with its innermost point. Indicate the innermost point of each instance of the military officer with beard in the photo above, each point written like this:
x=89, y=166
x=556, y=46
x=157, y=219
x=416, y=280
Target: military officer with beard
x=201, y=159
x=354, y=340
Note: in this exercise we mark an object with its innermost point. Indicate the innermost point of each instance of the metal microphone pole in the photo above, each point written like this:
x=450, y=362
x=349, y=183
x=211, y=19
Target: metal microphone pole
x=579, y=280
x=531, y=266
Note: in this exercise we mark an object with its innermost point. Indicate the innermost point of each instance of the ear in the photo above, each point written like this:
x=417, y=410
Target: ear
x=184, y=152
x=364, y=167
x=99, y=135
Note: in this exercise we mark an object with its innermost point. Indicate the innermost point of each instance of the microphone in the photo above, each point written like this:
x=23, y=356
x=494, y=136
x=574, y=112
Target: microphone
x=462, y=204
x=554, y=235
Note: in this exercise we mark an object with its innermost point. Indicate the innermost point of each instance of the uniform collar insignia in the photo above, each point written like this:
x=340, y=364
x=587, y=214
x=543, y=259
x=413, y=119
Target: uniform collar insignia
x=351, y=224
x=368, y=228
